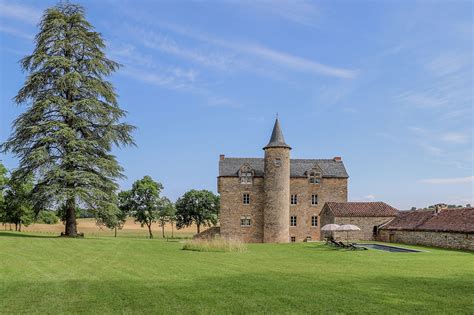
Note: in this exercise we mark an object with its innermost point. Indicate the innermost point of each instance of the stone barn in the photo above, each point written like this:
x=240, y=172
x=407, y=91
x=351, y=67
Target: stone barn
x=368, y=216
x=448, y=228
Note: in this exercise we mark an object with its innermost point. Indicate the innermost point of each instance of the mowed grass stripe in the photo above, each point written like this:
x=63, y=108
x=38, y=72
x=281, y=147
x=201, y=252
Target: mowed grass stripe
x=126, y=275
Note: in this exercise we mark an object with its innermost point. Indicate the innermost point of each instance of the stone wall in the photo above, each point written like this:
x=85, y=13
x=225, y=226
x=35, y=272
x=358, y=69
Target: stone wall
x=232, y=208
x=427, y=238
x=330, y=189
x=366, y=225
x=277, y=195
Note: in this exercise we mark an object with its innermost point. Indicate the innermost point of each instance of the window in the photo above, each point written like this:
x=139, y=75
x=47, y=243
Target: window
x=246, y=199
x=245, y=220
x=294, y=199
x=314, y=177
x=293, y=220
x=278, y=162
x=246, y=177
x=314, y=220
x=293, y=239
x=314, y=200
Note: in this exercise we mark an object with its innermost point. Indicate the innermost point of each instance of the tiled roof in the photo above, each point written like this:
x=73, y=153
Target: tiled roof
x=408, y=220
x=361, y=209
x=447, y=220
x=298, y=167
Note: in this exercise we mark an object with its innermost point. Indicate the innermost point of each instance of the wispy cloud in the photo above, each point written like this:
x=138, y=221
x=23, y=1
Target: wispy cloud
x=24, y=13
x=420, y=100
x=16, y=32
x=448, y=181
x=158, y=41
x=446, y=64
x=454, y=137
x=300, y=12
x=179, y=80
x=238, y=55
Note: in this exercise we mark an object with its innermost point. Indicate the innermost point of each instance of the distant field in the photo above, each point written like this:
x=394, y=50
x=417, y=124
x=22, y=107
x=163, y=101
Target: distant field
x=104, y=275
x=90, y=228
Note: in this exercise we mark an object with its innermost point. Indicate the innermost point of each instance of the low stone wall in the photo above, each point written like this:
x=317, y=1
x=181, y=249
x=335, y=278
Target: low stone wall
x=435, y=239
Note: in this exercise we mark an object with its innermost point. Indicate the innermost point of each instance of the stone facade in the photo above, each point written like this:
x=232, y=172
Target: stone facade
x=233, y=209
x=277, y=195
x=429, y=238
x=257, y=208
x=366, y=225
x=330, y=189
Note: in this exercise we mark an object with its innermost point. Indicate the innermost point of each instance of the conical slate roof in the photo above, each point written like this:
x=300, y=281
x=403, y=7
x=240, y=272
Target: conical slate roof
x=277, y=140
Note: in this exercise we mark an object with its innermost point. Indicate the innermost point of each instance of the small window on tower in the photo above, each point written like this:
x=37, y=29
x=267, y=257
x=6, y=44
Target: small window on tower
x=278, y=162
x=294, y=199
x=246, y=199
x=293, y=220
x=314, y=200
x=245, y=221
x=314, y=221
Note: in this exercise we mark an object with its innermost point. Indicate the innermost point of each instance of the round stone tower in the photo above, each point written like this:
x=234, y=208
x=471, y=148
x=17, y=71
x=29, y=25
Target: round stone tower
x=277, y=188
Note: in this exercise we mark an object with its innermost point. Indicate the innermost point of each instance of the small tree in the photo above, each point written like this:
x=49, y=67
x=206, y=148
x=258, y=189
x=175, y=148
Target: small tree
x=144, y=201
x=3, y=185
x=167, y=214
x=113, y=219
x=200, y=207
x=18, y=202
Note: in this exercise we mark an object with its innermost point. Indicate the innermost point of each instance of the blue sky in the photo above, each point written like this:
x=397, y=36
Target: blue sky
x=387, y=85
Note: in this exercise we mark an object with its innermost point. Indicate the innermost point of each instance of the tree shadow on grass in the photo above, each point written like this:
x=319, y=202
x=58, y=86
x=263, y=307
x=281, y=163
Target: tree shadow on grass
x=20, y=234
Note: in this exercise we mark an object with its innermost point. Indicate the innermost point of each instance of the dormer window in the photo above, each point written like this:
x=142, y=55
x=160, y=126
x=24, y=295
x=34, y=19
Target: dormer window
x=314, y=175
x=245, y=174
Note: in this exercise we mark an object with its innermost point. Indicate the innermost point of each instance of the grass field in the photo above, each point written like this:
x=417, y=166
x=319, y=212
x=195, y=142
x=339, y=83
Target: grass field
x=44, y=274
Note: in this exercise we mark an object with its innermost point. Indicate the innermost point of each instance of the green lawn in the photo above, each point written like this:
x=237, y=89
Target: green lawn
x=44, y=274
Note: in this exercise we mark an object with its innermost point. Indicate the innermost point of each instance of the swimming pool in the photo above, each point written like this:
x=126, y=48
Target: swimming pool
x=388, y=248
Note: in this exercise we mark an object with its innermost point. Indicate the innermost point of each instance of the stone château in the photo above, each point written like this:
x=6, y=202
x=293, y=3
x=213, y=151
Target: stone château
x=276, y=199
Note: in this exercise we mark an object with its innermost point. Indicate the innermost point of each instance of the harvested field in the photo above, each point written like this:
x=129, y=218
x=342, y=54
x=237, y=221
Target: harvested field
x=90, y=228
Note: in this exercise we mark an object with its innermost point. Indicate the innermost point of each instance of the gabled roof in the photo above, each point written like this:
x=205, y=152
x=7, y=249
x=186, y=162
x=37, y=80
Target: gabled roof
x=360, y=209
x=447, y=220
x=277, y=140
x=298, y=167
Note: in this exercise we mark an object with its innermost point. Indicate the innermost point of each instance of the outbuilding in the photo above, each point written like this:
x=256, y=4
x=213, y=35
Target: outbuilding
x=368, y=216
x=447, y=228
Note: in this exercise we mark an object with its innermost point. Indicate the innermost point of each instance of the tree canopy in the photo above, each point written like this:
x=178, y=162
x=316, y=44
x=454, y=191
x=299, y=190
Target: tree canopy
x=72, y=119
x=200, y=207
x=143, y=201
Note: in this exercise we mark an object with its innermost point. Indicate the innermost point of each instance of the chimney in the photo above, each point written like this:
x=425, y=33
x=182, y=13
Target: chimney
x=221, y=157
x=337, y=159
x=439, y=207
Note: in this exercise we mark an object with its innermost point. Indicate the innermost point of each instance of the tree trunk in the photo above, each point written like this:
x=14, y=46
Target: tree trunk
x=19, y=227
x=149, y=230
x=163, y=230
x=199, y=228
x=172, y=230
x=16, y=226
x=71, y=226
x=115, y=231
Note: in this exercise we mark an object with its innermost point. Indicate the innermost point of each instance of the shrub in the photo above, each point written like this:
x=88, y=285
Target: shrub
x=215, y=245
x=47, y=217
